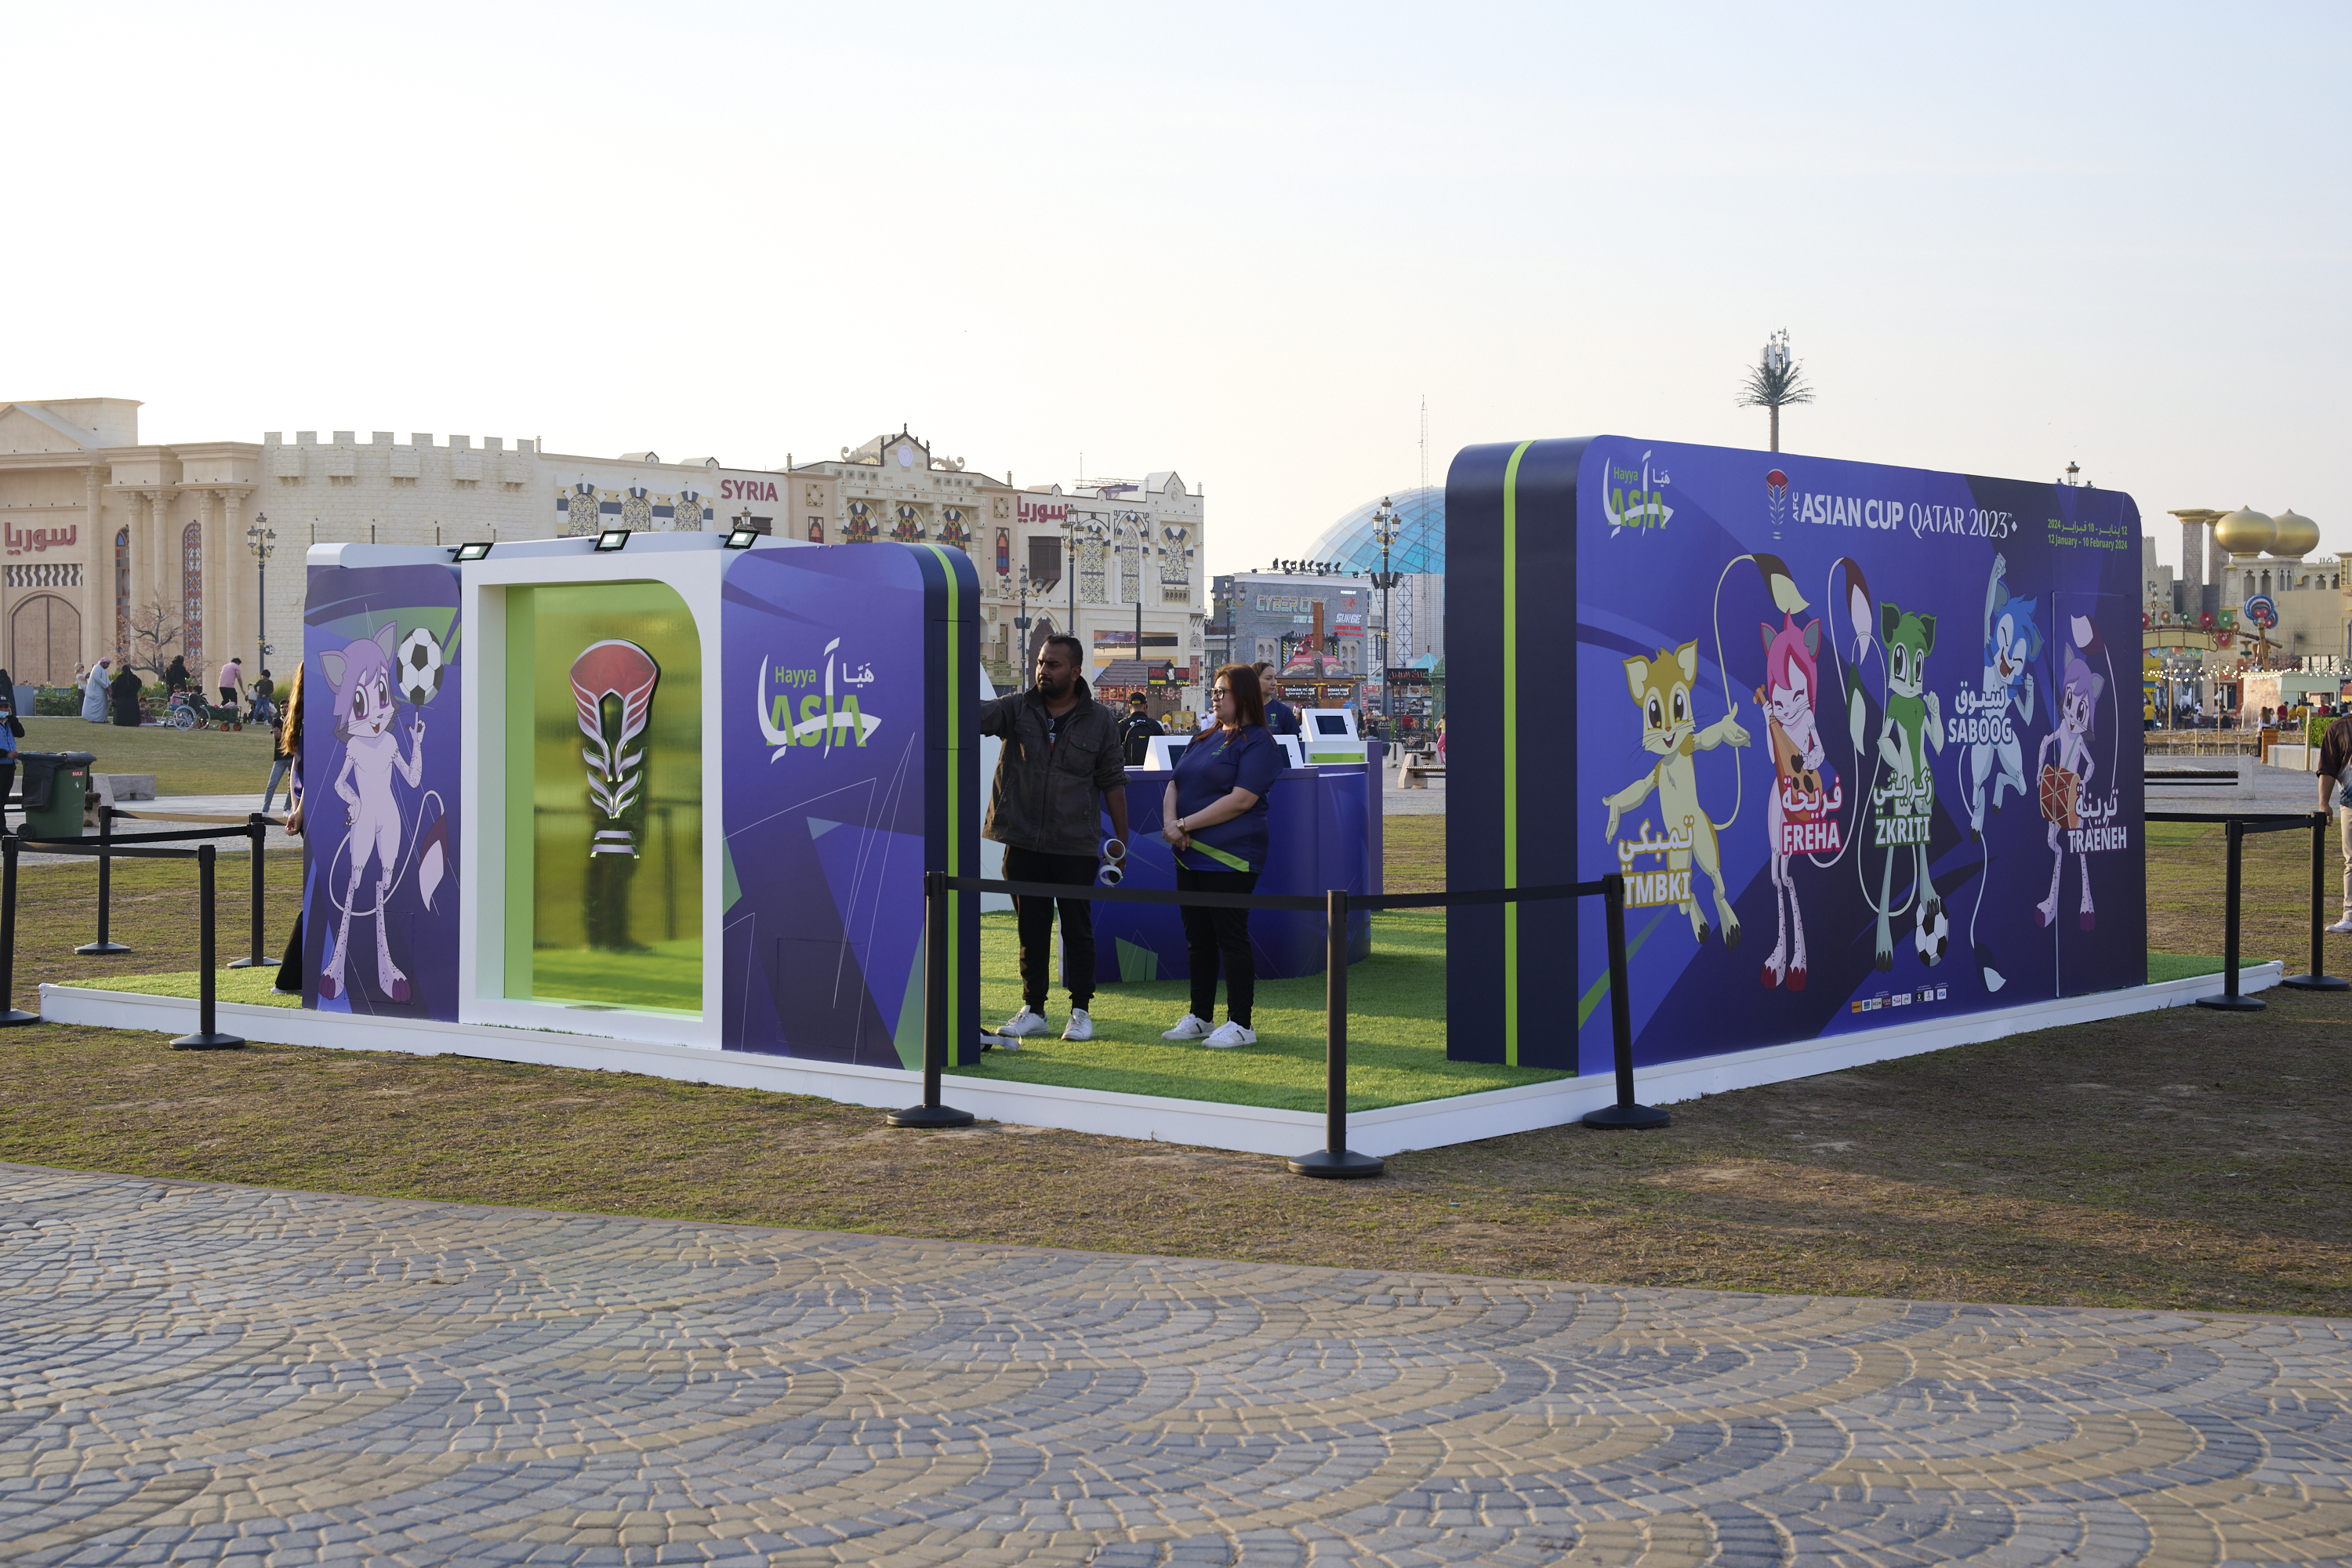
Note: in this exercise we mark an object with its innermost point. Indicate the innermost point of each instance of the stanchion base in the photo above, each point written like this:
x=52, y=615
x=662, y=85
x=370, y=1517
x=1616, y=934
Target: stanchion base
x=2232, y=1003
x=209, y=1043
x=248, y=962
x=1342, y=1164
x=14, y=1016
x=102, y=949
x=1627, y=1118
x=925, y=1116
x=2317, y=983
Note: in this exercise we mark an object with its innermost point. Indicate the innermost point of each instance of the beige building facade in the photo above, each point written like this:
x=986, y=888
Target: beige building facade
x=105, y=538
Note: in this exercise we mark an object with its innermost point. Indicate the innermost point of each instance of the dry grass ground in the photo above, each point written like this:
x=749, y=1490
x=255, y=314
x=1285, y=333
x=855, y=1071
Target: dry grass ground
x=2181, y=1159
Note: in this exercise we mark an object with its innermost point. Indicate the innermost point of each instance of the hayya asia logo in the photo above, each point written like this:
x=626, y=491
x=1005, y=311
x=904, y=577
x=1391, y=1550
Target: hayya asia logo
x=1637, y=499
x=833, y=717
x=626, y=674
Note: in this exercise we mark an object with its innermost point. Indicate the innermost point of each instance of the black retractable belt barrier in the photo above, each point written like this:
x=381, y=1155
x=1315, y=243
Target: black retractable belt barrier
x=105, y=946
x=2229, y=1001
x=2319, y=979
x=1627, y=1115
x=932, y=1113
x=259, y=829
x=205, y=1038
x=1335, y=1158
x=9, y=1012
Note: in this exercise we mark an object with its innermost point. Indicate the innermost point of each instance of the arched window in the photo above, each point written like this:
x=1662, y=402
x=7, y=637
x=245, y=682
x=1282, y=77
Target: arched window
x=122, y=590
x=192, y=597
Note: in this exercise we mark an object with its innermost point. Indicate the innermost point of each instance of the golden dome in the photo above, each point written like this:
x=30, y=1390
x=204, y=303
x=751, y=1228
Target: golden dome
x=2294, y=535
x=2245, y=531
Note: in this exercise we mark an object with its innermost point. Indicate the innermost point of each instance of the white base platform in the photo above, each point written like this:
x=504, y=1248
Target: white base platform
x=1431, y=1124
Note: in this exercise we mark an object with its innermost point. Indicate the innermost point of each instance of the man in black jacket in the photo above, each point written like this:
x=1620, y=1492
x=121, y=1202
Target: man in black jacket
x=1136, y=731
x=1060, y=769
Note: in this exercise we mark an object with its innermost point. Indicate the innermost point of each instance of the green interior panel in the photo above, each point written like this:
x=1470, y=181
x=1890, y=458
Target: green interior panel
x=603, y=910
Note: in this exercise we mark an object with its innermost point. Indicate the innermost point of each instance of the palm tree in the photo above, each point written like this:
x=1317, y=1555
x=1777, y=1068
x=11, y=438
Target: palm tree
x=1777, y=382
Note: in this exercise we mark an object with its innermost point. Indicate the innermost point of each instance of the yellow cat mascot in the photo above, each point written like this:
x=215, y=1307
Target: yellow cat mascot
x=1661, y=688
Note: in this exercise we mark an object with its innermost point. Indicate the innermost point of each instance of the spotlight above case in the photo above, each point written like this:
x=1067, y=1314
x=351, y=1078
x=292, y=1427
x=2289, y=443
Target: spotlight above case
x=473, y=552
x=612, y=538
x=741, y=539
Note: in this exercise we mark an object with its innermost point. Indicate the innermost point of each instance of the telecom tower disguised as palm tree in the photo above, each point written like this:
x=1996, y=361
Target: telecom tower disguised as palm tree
x=1777, y=382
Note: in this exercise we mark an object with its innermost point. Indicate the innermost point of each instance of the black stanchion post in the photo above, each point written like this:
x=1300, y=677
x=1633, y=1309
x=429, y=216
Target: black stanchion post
x=1628, y=1115
x=257, y=830
x=2319, y=979
x=2229, y=1001
x=9, y=1012
x=105, y=944
x=932, y=1113
x=206, y=1038
x=1335, y=1158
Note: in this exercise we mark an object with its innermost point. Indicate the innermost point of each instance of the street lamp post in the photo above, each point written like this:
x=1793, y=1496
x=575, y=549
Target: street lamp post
x=1020, y=624
x=261, y=540
x=1384, y=529
x=1075, y=527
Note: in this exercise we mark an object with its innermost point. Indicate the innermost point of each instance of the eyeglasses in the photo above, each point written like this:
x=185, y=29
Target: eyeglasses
x=1221, y=691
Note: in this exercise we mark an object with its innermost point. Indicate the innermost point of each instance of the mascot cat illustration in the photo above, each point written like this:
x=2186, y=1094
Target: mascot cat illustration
x=360, y=676
x=2065, y=784
x=2012, y=642
x=1912, y=720
x=1661, y=688
x=1798, y=816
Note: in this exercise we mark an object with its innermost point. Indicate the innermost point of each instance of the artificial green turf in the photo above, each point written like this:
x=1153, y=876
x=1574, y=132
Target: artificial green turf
x=2181, y=965
x=1396, y=1032
x=229, y=986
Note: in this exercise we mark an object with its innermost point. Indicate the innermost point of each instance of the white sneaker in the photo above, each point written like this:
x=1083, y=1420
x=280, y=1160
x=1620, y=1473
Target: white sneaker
x=1230, y=1035
x=1188, y=1027
x=1025, y=1022
x=1081, y=1026
x=2343, y=926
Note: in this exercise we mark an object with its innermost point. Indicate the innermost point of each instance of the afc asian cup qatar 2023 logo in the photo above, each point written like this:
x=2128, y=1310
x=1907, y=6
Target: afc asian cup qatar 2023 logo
x=1776, y=498
x=626, y=674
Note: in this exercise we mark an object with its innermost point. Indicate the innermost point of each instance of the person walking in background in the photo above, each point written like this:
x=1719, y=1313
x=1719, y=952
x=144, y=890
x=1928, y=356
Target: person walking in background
x=231, y=681
x=1135, y=731
x=94, y=691
x=176, y=678
x=1441, y=739
x=283, y=743
x=125, y=687
x=1213, y=815
x=265, y=700
x=1281, y=718
x=1058, y=771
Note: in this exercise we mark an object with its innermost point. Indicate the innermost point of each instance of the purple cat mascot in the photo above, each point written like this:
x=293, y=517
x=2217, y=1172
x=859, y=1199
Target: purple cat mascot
x=360, y=676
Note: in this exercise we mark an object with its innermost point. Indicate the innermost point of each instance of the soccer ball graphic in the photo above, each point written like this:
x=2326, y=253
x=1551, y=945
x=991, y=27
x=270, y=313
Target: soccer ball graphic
x=1934, y=935
x=419, y=671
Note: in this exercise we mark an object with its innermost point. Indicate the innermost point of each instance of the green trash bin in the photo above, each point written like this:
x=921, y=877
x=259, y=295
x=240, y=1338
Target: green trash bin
x=56, y=787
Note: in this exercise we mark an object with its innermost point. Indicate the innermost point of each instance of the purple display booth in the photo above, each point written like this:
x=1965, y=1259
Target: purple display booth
x=1323, y=833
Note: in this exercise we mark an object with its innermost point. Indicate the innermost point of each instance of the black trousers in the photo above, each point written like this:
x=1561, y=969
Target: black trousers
x=1215, y=935
x=7, y=782
x=1036, y=918
x=290, y=968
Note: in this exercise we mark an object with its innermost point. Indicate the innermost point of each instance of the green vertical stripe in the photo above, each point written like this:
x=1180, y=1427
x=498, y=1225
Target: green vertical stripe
x=957, y=1028
x=1511, y=751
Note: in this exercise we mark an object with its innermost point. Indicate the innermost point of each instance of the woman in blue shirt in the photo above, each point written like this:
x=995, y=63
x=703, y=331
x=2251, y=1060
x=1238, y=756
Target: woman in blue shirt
x=1213, y=815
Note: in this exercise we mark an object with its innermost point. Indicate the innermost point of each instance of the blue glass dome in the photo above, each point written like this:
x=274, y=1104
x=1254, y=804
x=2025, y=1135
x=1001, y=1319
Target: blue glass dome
x=1420, y=535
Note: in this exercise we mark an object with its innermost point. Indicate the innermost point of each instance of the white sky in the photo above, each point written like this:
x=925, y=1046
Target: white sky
x=1239, y=241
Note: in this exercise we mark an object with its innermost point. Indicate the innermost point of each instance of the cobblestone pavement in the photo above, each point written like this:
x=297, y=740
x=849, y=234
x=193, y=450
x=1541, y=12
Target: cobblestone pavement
x=227, y=1375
